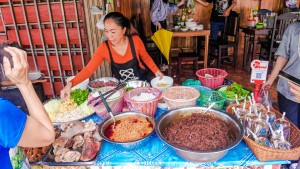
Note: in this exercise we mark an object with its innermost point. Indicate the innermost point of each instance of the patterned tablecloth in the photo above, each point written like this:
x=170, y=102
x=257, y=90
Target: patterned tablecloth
x=157, y=153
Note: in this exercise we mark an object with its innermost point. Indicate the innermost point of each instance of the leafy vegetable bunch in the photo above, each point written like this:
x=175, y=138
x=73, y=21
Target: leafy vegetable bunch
x=236, y=88
x=79, y=96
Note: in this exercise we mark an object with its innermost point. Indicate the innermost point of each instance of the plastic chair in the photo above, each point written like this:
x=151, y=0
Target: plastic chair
x=281, y=23
x=231, y=29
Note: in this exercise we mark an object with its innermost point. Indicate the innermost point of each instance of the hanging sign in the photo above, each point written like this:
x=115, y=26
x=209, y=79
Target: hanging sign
x=259, y=70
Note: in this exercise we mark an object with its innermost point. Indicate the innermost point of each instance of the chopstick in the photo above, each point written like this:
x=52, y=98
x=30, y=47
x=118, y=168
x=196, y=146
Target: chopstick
x=107, y=94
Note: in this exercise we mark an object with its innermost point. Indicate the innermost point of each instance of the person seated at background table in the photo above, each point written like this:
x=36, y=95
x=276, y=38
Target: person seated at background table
x=220, y=10
x=123, y=49
x=288, y=60
x=17, y=128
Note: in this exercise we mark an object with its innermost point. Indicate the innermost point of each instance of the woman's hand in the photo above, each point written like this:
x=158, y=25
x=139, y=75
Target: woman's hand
x=181, y=3
x=66, y=91
x=19, y=73
x=295, y=89
x=226, y=13
x=267, y=85
x=160, y=74
x=158, y=26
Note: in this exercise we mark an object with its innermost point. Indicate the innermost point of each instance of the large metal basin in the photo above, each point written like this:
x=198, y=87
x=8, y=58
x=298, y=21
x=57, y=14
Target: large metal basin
x=195, y=155
x=126, y=145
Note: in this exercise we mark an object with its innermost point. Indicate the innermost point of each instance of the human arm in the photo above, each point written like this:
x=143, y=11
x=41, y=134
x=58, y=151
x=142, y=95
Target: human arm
x=86, y=72
x=295, y=89
x=38, y=130
x=181, y=3
x=202, y=2
x=279, y=65
x=227, y=12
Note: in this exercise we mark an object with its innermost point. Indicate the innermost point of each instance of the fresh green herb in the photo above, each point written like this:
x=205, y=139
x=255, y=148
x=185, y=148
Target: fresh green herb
x=236, y=88
x=79, y=96
x=128, y=88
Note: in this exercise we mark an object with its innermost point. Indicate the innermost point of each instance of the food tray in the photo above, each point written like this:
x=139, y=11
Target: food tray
x=48, y=159
x=58, y=123
x=104, y=79
x=39, y=162
x=264, y=153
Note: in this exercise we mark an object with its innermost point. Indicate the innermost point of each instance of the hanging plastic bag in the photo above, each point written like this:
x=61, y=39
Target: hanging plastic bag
x=265, y=97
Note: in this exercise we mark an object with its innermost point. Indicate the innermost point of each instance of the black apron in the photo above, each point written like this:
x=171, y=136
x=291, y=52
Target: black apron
x=129, y=70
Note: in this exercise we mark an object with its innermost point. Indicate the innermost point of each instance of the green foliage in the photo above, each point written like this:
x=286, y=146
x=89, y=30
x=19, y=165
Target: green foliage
x=236, y=88
x=79, y=96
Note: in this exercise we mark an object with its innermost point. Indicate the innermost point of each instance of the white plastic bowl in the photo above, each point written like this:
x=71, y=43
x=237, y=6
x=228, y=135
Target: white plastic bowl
x=190, y=24
x=83, y=85
x=193, y=28
x=184, y=29
x=162, y=84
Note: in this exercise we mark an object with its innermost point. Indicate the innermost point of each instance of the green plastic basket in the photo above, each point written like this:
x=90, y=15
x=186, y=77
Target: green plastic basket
x=208, y=97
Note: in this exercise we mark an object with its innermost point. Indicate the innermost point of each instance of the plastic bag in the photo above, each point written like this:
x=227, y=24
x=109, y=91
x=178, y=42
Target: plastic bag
x=190, y=82
x=265, y=97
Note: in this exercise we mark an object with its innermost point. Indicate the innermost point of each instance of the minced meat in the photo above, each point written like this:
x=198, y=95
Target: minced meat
x=199, y=132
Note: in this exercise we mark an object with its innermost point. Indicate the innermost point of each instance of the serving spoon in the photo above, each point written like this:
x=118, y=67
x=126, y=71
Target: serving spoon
x=209, y=107
x=107, y=108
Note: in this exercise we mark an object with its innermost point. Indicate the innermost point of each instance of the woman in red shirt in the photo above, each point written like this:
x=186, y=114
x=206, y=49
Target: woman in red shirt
x=123, y=49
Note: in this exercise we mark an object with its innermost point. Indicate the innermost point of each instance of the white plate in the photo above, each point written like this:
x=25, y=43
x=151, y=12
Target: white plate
x=34, y=75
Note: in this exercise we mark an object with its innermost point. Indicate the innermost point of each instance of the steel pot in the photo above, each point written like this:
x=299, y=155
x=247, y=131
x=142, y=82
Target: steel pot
x=196, y=155
x=126, y=145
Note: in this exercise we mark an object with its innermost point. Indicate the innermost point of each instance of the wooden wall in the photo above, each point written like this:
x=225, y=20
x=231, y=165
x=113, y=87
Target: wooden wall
x=94, y=35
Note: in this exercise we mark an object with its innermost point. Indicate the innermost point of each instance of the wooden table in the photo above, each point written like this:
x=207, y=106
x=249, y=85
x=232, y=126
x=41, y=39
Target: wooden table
x=204, y=33
x=255, y=33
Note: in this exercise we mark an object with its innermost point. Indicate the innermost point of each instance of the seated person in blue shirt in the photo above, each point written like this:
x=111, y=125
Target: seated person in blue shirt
x=17, y=128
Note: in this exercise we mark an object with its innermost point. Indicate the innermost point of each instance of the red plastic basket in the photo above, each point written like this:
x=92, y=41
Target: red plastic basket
x=211, y=82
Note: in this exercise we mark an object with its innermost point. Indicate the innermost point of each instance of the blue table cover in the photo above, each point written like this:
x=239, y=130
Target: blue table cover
x=157, y=153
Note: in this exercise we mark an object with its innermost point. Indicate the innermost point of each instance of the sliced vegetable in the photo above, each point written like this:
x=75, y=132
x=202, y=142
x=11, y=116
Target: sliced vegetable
x=128, y=88
x=79, y=96
x=236, y=88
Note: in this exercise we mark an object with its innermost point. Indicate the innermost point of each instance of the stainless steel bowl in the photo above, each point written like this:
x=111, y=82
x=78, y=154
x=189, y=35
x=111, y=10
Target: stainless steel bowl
x=137, y=83
x=104, y=79
x=126, y=145
x=231, y=101
x=195, y=155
